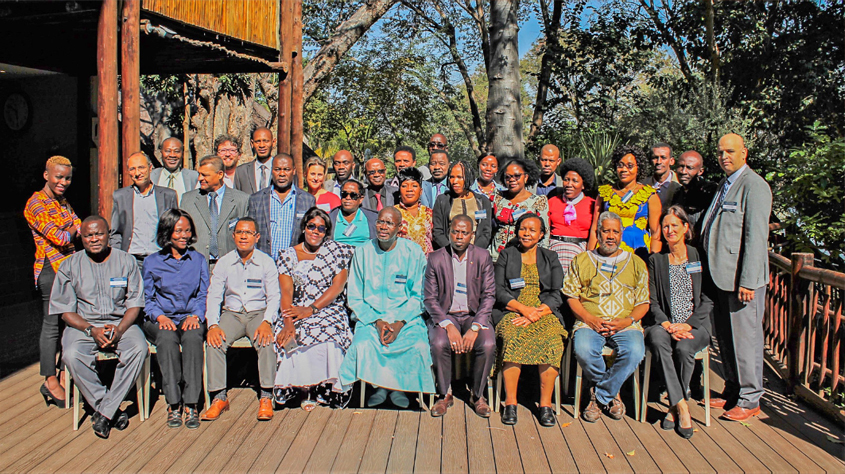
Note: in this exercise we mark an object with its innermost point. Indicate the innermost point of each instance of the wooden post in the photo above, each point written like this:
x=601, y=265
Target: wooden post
x=286, y=11
x=795, y=343
x=297, y=97
x=107, y=152
x=187, y=162
x=130, y=75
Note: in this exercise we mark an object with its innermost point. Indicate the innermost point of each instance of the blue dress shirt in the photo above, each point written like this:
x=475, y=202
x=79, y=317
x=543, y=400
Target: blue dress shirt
x=176, y=288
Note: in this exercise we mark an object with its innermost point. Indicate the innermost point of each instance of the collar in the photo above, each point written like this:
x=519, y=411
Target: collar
x=732, y=178
x=455, y=255
x=168, y=172
x=669, y=177
x=575, y=201
x=169, y=254
x=219, y=192
x=553, y=183
x=259, y=164
x=138, y=191
x=250, y=260
x=274, y=195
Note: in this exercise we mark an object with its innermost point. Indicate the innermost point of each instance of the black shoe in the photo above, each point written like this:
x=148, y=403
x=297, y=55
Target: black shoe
x=49, y=398
x=174, y=417
x=667, y=424
x=121, y=421
x=192, y=418
x=509, y=415
x=547, y=417
x=685, y=432
x=101, y=425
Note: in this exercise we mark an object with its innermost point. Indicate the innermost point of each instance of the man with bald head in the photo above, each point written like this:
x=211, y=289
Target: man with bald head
x=254, y=176
x=343, y=165
x=549, y=179
x=172, y=175
x=137, y=208
x=378, y=194
x=735, y=236
x=696, y=193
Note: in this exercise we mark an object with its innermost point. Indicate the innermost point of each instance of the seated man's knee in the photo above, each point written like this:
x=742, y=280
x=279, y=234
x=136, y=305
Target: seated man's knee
x=486, y=345
x=584, y=344
x=631, y=348
x=439, y=340
x=657, y=337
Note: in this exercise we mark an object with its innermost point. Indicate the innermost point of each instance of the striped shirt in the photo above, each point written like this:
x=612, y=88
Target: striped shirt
x=50, y=221
x=281, y=221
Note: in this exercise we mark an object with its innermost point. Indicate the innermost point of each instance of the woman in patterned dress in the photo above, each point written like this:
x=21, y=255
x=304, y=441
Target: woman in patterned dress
x=637, y=204
x=488, y=168
x=515, y=201
x=417, y=220
x=315, y=323
x=527, y=315
x=571, y=212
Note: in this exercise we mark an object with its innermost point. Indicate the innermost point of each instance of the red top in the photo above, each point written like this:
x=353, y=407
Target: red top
x=580, y=227
x=330, y=199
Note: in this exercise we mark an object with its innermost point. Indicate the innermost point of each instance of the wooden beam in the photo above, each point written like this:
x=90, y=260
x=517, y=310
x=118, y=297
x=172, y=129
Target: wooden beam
x=107, y=152
x=297, y=97
x=286, y=10
x=130, y=75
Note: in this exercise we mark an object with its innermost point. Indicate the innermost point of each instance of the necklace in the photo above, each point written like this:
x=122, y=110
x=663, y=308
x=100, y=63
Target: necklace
x=678, y=259
x=309, y=252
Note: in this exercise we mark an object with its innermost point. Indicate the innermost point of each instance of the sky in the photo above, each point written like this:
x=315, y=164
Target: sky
x=529, y=31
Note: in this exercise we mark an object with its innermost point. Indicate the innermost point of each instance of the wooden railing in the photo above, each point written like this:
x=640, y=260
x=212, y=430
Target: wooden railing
x=804, y=330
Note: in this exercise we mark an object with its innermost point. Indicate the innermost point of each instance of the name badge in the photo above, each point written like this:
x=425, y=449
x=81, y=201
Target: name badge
x=517, y=283
x=729, y=207
x=606, y=267
x=517, y=213
x=401, y=279
x=118, y=282
x=694, y=267
x=253, y=283
x=480, y=215
x=627, y=197
x=349, y=230
x=325, y=207
x=232, y=224
x=462, y=289
x=300, y=215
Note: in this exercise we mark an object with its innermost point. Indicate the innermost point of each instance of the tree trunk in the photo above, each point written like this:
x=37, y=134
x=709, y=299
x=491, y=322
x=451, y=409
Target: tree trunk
x=504, y=111
x=550, y=57
x=711, y=41
x=348, y=33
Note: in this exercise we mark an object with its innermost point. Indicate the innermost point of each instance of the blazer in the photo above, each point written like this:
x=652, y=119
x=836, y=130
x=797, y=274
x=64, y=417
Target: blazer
x=440, y=284
x=372, y=217
x=122, y=220
x=259, y=209
x=234, y=207
x=390, y=196
x=509, y=266
x=245, y=177
x=737, y=249
x=425, y=197
x=189, y=177
x=440, y=221
x=660, y=291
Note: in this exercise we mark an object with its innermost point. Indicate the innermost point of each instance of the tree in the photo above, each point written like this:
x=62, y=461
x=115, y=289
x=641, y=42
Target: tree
x=504, y=104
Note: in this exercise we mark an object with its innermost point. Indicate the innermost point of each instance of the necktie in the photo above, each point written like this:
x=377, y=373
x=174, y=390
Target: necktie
x=212, y=207
x=170, y=181
x=263, y=183
x=716, y=205
x=379, y=205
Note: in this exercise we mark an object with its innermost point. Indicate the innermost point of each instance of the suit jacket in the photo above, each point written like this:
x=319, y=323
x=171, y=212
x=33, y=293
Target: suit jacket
x=440, y=221
x=372, y=217
x=122, y=220
x=425, y=198
x=509, y=266
x=440, y=284
x=189, y=177
x=389, y=197
x=660, y=291
x=259, y=209
x=245, y=177
x=234, y=207
x=737, y=249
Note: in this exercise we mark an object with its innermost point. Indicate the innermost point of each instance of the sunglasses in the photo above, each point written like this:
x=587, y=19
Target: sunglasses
x=436, y=145
x=514, y=177
x=319, y=228
x=347, y=194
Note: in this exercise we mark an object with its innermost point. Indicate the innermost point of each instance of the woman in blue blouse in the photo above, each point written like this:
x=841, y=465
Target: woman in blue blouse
x=175, y=289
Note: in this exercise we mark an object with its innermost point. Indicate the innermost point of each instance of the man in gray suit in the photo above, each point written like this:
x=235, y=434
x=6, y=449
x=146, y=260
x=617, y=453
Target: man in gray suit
x=136, y=210
x=278, y=209
x=172, y=175
x=254, y=176
x=735, y=236
x=378, y=195
x=215, y=209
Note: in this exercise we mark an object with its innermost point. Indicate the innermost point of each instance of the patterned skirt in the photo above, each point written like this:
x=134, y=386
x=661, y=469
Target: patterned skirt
x=566, y=252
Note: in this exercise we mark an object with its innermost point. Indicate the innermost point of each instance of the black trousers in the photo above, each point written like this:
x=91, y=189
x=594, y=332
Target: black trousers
x=178, y=366
x=483, y=354
x=677, y=358
x=52, y=325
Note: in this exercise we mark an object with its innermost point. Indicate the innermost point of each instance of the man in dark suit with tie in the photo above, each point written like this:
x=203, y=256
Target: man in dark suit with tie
x=215, y=209
x=460, y=290
x=378, y=194
x=136, y=210
x=279, y=208
x=254, y=176
x=735, y=236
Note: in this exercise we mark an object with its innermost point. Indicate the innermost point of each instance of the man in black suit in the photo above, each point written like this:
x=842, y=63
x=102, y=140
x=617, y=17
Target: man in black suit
x=696, y=193
x=254, y=176
x=378, y=195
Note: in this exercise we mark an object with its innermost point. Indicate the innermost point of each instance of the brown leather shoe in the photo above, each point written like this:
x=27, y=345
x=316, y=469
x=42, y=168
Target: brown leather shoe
x=440, y=407
x=740, y=414
x=616, y=409
x=592, y=413
x=265, y=409
x=215, y=410
x=718, y=403
x=482, y=409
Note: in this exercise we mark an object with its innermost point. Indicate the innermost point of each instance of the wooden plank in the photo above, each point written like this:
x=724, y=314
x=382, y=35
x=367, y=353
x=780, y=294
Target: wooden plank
x=695, y=461
x=583, y=452
x=404, y=448
x=352, y=448
x=761, y=450
x=153, y=437
x=242, y=429
x=378, y=445
x=641, y=460
x=329, y=442
x=821, y=457
x=528, y=442
x=302, y=447
x=719, y=447
x=504, y=446
x=16, y=382
x=37, y=447
x=429, y=444
x=248, y=451
x=20, y=414
x=667, y=461
x=21, y=374
x=557, y=452
x=277, y=446
x=54, y=462
x=784, y=448
x=609, y=453
x=805, y=421
x=479, y=443
x=48, y=424
x=454, y=455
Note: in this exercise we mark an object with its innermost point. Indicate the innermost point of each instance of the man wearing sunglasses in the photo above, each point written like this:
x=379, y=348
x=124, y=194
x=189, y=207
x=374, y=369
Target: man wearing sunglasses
x=352, y=224
x=378, y=195
x=437, y=142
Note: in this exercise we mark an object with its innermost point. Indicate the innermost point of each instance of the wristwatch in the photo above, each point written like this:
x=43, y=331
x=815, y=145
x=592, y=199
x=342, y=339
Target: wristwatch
x=314, y=309
x=475, y=328
x=87, y=331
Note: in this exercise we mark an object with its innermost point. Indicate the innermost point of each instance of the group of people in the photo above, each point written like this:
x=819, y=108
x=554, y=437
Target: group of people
x=383, y=281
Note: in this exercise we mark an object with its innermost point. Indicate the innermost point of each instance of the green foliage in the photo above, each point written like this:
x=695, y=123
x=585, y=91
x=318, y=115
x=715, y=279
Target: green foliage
x=597, y=147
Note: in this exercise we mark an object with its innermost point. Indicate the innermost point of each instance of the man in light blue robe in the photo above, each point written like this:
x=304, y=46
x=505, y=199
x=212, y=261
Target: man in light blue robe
x=385, y=292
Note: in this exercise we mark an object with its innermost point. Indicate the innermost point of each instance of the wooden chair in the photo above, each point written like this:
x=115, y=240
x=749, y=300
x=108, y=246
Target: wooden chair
x=606, y=352
x=139, y=387
x=498, y=393
x=702, y=355
x=242, y=343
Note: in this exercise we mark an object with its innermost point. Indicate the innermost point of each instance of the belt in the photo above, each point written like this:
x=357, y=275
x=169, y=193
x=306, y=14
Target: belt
x=212, y=261
x=571, y=240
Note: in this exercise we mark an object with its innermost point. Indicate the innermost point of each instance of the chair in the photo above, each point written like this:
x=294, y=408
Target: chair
x=461, y=363
x=498, y=393
x=702, y=355
x=139, y=387
x=421, y=397
x=242, y=343
x=605, y=352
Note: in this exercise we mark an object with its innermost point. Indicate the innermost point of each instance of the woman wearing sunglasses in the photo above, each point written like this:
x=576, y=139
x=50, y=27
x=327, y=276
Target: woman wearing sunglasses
x=515, y=201
x=313, y=334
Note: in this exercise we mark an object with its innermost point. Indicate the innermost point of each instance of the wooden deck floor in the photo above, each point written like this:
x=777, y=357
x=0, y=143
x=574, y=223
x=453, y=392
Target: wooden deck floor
x=786, y=439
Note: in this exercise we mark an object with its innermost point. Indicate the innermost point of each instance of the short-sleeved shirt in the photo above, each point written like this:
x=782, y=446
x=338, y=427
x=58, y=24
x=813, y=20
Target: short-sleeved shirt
x=608, y=287
x=346, y=234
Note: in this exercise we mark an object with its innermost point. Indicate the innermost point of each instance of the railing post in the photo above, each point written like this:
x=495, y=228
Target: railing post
x=795, y=344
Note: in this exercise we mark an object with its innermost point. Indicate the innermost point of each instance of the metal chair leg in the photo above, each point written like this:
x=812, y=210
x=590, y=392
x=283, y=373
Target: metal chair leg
x=205, y=377
x=77, y=404
x=637, y=406
x=147, y=387
x=363, y=390
x=557, y=395
x=67, y=387
x=578, y=375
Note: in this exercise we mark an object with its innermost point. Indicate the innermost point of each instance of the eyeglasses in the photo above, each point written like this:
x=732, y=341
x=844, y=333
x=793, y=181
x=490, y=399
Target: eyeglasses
x=245, y=232
x=514, y=177
x=375, y=172
x=385, y=223
x=227, y=151
x=621, y=166
x=319, y=228
x=347, y=194
x=436, y=145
